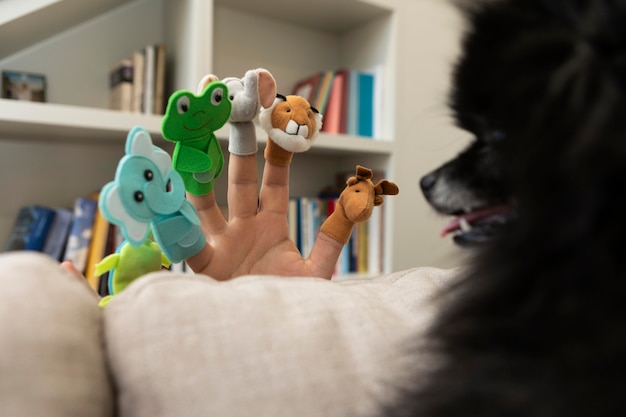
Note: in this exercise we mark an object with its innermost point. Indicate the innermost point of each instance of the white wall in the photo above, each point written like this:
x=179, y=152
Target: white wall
x=428, y=36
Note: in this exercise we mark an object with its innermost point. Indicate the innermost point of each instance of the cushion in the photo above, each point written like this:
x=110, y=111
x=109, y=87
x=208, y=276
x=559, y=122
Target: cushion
x=51, y=342
x=187, y=345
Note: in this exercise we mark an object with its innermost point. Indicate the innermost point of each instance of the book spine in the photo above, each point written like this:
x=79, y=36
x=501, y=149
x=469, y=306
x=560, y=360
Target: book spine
x=352, y=117
x=97, y=248
x=121, y=86
x=30, y=228
x=57, y=236
x=321, y=97
x=366, y=105
x=159, y=79
x=138, y=73
x=149, y=79
x=80, y=233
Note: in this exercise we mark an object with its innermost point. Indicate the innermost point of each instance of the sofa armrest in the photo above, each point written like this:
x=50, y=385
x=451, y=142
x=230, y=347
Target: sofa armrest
x=262, y=345
x=51, y=342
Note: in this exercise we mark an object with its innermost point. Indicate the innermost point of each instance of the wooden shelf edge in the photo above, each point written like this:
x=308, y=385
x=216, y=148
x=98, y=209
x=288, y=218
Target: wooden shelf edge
x=49, y=121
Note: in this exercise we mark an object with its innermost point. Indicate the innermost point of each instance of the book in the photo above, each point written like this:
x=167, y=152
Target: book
x=148, y=79
x=138, y=72
x=97, y=248
x=335, y=114
x=121, y=86
x=377, y=101
x=362, y=233
x=320, y=100
x=307, y=88
x=365, y=112
x=30, y=228
x=364, y=103
x=80, y=233
x=375, y=241
x=352, y=114
x=159, y=79
x=293, y=220
x=58, y=233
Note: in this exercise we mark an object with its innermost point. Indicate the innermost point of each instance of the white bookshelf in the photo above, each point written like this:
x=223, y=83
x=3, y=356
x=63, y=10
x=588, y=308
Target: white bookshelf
x=52, y=152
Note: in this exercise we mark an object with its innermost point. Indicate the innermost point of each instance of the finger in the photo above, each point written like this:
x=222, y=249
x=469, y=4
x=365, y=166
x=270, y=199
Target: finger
x=243, y=183
x=274, y=194
x=211, y=219
x=324, y=256
x=69, y=266
x=200, y=262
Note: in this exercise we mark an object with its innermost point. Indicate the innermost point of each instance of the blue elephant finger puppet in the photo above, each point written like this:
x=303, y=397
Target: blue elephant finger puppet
x=190, y=120
x=147, y=200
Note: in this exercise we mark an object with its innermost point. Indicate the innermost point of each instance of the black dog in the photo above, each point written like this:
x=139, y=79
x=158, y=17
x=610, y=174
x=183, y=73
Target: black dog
x=537, y=327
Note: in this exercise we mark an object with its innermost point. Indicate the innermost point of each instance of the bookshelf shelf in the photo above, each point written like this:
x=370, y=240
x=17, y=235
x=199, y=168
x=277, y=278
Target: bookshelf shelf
x=30, y=120
x=53, y=152
x=50, y=121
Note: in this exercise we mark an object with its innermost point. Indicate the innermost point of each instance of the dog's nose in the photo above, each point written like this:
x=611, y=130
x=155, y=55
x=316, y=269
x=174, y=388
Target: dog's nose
x=428, y=182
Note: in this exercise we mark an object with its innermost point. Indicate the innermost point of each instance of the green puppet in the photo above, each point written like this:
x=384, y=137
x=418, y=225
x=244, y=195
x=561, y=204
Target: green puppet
x=190, y=120
x=129, y=263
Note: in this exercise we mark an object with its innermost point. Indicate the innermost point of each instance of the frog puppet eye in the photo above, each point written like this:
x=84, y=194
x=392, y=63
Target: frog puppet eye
x=216, y=96
x=182, y=105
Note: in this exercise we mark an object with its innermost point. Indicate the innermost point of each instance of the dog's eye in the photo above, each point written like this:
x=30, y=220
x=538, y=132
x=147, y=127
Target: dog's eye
x=492, y=136
x=497, y=135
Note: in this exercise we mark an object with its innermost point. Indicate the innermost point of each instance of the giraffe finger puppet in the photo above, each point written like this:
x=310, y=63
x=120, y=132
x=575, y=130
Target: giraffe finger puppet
x=356, y=203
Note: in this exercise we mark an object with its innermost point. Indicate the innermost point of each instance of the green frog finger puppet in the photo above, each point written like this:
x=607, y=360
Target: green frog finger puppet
x=190, y=121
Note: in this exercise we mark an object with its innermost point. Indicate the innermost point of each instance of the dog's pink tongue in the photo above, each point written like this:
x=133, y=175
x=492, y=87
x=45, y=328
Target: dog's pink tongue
x=475, y=216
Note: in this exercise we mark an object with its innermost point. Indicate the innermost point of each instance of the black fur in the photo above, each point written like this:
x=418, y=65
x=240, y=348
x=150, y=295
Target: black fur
x=537, y=327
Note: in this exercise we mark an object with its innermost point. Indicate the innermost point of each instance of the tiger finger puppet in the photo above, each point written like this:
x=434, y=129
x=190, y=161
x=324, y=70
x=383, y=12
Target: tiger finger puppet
x=292, y=125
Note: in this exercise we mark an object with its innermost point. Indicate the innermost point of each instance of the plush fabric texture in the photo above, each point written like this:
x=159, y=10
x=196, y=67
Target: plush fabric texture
x=291, y=124
x=355, y=204
x=190, y=121
x=256, y=89
x=184, y=345
x=51, y=342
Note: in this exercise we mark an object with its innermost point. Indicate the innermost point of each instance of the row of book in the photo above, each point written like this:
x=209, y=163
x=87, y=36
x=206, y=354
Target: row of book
x=137, y=83
x=350, y=100
x=79, y=234
x=363, y=254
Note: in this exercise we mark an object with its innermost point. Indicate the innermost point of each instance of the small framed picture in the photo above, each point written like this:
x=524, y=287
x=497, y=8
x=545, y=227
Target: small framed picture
x=27, y=86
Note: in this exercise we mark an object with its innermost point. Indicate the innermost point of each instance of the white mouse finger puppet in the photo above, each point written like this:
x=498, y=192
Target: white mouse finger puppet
x=356, y=203
x=292, y=125
x=256, y=89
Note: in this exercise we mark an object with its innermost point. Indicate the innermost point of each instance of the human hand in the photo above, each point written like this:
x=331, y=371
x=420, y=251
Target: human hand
x=255, y=238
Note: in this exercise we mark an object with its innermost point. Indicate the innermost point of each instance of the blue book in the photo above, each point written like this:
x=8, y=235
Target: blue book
x=80, y=233
x=30, y=229
x=366, y=105
x=57, y=235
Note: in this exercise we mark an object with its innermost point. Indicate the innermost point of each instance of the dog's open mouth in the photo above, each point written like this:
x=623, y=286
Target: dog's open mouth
x=479, y=226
